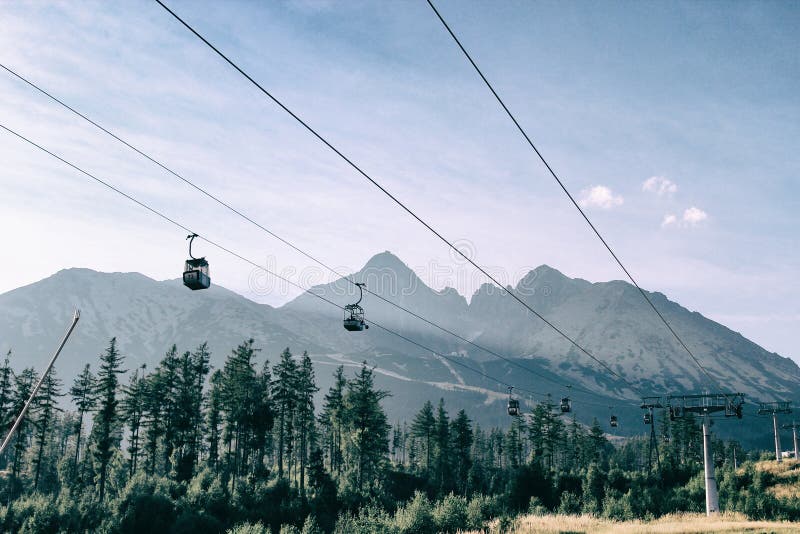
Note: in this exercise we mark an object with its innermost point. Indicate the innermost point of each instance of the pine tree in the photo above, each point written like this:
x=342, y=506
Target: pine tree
x=45, y=409
x=331, y=420
x=462, y=437
x=6, y=399
x=442, y=449
x=133, y=406
x=23, y=387
x=284, y=394
x=107, y=418
x=214, y=419
x=239, y=390
x=83, y=396
x=305, y=413
x=422, y=428
x=367, y=432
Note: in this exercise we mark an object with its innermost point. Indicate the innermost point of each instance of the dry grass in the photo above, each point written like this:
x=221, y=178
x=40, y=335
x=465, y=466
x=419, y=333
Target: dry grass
x=676, y=523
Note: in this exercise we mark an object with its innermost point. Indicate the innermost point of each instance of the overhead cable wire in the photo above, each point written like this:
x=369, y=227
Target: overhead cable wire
x=253, y=263
x=244, y=216
x=711, y=379
x=397, y=201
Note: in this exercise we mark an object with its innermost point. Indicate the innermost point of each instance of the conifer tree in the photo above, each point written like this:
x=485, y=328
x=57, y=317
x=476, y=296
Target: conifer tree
x=367, y=432
x=83, y=396
x=462, y=436
x=306, y=388
x=45, y=409
x=331, y=420
x=443, y=448
x=107, y=418
x=133, y=406
x=284, y=392
x=6, y=398
x=23, y=387
x=422, y=428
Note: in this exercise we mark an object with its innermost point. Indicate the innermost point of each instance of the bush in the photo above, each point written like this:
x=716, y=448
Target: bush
x=450, y=514
x=618, y=507
x=570, y=504
x=416, y=517
x=370, y=520
x=249, y=528
x=481, y=508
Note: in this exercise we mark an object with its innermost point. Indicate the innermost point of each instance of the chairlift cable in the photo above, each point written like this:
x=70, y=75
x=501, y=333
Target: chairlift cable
x=243, y=258
x=711, y=379
x=281, y=239
x=397, y=201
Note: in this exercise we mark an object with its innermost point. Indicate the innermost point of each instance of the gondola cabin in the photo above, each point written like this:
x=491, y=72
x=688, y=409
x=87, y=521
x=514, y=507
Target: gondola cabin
x=614, y=423
x=354, y=318
x=513, y=407
x=566, y=407
x=648, y=418
x=195, y=274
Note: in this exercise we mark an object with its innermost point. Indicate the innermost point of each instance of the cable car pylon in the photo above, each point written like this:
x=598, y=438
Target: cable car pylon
x=704, y=404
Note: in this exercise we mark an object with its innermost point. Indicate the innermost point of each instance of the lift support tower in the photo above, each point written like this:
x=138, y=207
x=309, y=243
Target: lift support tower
x=773, y=409
x=793, y=426
x=706, y=404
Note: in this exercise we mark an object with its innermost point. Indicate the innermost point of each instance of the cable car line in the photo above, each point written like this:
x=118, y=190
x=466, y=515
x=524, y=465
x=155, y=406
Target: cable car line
x=711, y=379
x=254, y=264
x=276, y=236
x=398, y=202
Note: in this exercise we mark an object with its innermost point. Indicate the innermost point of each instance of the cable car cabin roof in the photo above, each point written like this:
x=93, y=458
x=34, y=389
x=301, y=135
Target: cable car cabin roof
x=196, y=263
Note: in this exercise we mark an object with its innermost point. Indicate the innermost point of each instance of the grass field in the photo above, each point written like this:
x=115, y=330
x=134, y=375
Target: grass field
x=688, y=523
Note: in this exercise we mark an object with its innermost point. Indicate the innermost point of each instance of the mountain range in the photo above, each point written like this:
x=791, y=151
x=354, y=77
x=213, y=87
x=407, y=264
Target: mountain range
x=610, y=319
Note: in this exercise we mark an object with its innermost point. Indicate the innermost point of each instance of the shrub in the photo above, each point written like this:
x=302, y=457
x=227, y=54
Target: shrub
x=450, y=514
x=370, y=520
x=416, y=517
x=249, y=528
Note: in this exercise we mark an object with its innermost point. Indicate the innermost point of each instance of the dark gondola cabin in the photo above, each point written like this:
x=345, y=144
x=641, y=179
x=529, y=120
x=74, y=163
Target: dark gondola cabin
x=354, y=318
x=354, y=314
x=648, y=419
x=565, y=405
x=614, y=421
x=195, y=272
x=513, y=407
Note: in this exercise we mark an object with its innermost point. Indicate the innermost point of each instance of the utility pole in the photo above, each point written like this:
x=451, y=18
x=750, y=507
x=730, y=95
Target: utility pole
x=706, y=404
x=773, y=409
x=793, y=426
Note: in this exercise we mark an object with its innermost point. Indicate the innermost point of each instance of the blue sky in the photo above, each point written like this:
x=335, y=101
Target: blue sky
x=677, y=124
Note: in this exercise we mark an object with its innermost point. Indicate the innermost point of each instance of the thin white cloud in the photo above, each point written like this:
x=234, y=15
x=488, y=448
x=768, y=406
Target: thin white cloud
x=694, y=216
x=669, y=220
x=691, y=217
x=659, y=185
x=600, y=196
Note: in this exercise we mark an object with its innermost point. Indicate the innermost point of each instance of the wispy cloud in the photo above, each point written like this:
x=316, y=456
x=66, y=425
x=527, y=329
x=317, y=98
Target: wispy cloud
x=659, y=185
x=691, y=217
x=669, y=219
x=694, y=216
x=600, y=196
